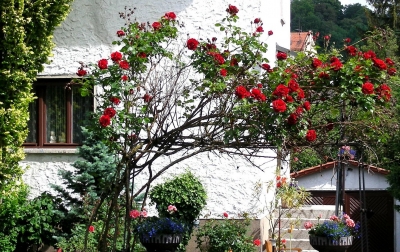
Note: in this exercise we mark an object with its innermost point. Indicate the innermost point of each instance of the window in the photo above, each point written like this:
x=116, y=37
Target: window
x=58, y=113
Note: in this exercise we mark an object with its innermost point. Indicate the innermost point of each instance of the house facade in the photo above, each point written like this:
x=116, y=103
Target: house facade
x=86, y=36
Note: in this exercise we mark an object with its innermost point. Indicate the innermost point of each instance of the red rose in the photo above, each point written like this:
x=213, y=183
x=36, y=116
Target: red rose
x=292, y=119
x=257, y=94
x=351, y=50
x=170, y=16
x=384, y=92
x=389, y=62
x=281, y=56
x=279, y=106
x=390, y=71
x=103, y=64
x=293, y=85
x=281, y=91
x=369, y=55
x=266, y=66
x=147, y=98
x=156, y=25
x=336, y=65
x=358, y=68
x=300, y=94
x=327, y=37
x=347, y=40
x=124, y=64
x=299, y=110
x=218, y=58
x=234, y=62
x=91, y=229
x=233, y=10
x=259, y=29
x=225, y=214
x=307, y=105
x=110, y=112
x=257, y=242
x=289, y=99
x=116, y=56
x=368, y=88
x=115, y=100
x=223, y=72
x=104, y=121
x=124, y=77
x=242, y=92
x=323, y=75
x=192, y=44
x=257, y=20
x=134, y=214
x=142, y=55
x=81, y=72
x=120, y=33
x=259, y=85
x=311, y=135
x=214, y=39
x=379, y=63
x=270, y=32
x=316, y=62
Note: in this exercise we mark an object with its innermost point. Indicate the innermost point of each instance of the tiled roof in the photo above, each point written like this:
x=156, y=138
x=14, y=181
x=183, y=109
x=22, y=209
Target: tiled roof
x=330, y=165
x=298, y=41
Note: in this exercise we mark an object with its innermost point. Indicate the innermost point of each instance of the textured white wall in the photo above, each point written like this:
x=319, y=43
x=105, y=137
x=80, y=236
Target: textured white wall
x=86, y=35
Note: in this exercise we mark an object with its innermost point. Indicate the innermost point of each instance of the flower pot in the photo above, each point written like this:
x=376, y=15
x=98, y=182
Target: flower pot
x=323, y=244
x=161, y=243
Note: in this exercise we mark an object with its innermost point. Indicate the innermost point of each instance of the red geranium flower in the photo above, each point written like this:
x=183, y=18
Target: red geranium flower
x=223, y=72
x=170, y=16
x=279, y=106
x=116, y=56
x=110, y=112
x=281, y=56
x=103, y=64
x=104, y=121
x=192, y=44
x=311, y=135
x=81, y=72
x=367, y=88
x=270, y=32
x=233, y=10
x=156, y=25
x=242, y=92
x=124, y=64
x=120, y=33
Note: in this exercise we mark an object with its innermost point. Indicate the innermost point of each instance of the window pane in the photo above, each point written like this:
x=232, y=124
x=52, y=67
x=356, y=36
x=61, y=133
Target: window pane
x=55, y=114
x=32, y=123
x=81, y=108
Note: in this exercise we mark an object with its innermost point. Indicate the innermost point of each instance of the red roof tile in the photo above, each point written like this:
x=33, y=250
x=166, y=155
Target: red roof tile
x=298, y=41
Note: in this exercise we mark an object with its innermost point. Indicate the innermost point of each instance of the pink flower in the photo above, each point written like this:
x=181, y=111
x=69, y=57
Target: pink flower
x=334, y=218
x=171, y=209
x=308, y=225
x=91, y=229
x=270, y=32
x=346, y=216
x=350, y=223
x=134, y=214
x=143, y=214
x=103, y=64
x=225, y=214
x=257, y=242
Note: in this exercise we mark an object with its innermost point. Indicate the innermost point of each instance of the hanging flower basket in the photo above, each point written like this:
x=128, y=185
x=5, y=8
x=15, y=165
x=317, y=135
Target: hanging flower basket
x=161, y=243
x=323, y=244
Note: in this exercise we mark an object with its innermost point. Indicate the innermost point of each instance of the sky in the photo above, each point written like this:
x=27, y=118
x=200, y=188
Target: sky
x=345, y=2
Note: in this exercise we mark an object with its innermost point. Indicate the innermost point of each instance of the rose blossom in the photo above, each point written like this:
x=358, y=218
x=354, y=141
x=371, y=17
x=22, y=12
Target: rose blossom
x=259, y=29
x=170, y=16
x=225, y=214
x=265, y=66
x=384, y=92
x=389, y=62
x=134, y=214
x=279, y=106
x=223, y=72
x=259, y=85
x=116, y=56
x=120, y=33
x=233, y=10
x=323, y=75
x=156, y=25
x=347, y=40
x=391, y=71
x=172, y=208
x=299, y=110
x=110, y=112
x=257, y=94
x=351, y=50
x=281, y=91
x=124, y=64
x=281, y=56
x=142, y=55
x=379, y=63
x=367, y=88
x=308, y=225
x=81, y=72
x=270, y=32
x=124, y=77
x=103, y=64
x=307, y=105
x=257, y=20
x=257, y=242
x=219, y=59
x=289, y=98
x=242, y=92
x=300, y=94
x=292, y=119
x=293, y=85
x=311, y=135
x=115, y=100
x=316, y=63
x=369, y=55
x=147, y=98
x=336, y=65
x=91, y=229
x=234, y=62
x=192, y=44
x=104, y=121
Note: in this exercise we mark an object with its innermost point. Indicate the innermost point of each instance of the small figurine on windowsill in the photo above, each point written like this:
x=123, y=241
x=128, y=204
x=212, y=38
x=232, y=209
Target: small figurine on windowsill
x=61, y=138
x=52, y=137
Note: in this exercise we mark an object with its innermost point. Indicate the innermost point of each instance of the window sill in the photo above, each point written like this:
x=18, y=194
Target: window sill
x=50, y=150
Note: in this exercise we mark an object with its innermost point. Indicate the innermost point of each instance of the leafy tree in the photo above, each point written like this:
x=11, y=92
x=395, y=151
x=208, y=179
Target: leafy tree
x=26, y=29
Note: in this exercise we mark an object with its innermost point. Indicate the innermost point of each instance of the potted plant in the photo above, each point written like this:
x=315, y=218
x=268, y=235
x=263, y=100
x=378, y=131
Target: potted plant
x=163, y=233
x=335, y=234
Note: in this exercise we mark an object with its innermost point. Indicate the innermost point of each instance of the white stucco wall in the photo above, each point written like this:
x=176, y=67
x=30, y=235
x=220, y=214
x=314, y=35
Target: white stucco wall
x=86, y=36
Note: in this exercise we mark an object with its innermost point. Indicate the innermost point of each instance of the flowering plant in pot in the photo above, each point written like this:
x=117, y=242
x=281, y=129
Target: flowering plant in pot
x=338, y=231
